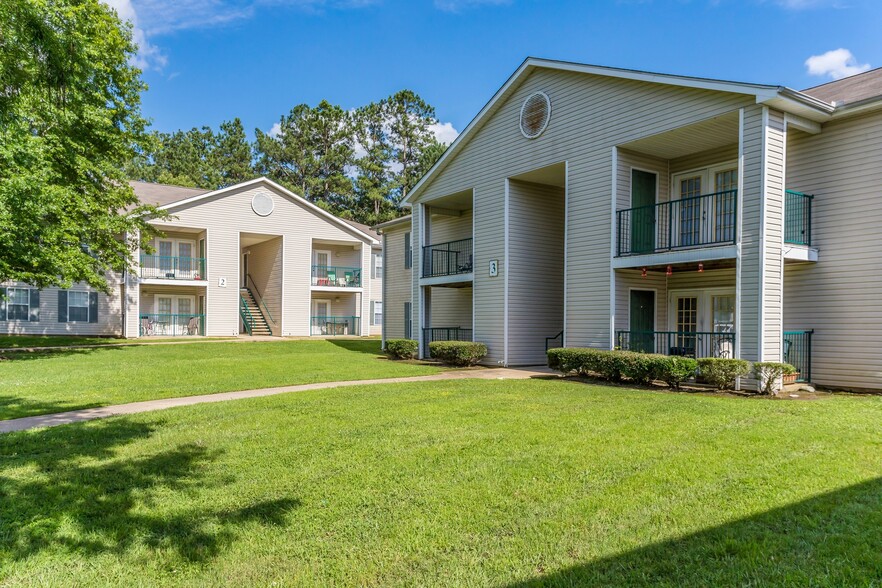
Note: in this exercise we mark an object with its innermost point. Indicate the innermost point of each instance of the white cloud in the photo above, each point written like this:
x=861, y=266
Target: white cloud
x=151, y=18
x=460, y=5
x=838, y=63
x=275, y=131
x=149, y=56
x=805, y=4
x=444, y=132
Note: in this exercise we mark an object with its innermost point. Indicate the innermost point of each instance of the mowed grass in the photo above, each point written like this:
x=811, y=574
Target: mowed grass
x=452, y=483
x=59, y=380
x=21, y=341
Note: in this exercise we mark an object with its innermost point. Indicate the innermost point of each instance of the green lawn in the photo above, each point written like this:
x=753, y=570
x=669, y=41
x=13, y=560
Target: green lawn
x=456, y=483
x=20, y=341
x=53, y=381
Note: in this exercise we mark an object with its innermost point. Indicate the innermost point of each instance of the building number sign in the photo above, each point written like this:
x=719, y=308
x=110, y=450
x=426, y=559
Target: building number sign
x=494, y=268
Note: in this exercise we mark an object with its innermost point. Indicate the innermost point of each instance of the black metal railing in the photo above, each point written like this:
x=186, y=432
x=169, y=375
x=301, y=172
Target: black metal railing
x=798, y=218
x=798, y=353
x=684, y=343
x=431, y=334
x=698, y=221
x=447, y=259
x=549, y=341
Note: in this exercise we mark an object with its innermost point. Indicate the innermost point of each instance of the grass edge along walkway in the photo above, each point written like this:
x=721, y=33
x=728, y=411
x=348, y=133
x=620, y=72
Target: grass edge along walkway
x=101, y=412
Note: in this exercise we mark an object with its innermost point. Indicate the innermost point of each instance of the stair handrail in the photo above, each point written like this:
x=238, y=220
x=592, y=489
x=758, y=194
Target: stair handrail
x=548, y=340
x=248, y=320
x=260, y=301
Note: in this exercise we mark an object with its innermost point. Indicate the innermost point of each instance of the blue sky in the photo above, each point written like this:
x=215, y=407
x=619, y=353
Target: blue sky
x=211, y=60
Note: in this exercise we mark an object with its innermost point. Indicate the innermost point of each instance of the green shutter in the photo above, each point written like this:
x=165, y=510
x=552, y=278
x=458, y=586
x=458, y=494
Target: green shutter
x=34, y=315
x=2, y=304
x=62, y=306
x=93, y=307
x=372, y=312
x=407, y=253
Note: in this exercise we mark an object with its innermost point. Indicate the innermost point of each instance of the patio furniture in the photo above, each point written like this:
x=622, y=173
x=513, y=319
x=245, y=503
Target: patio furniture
x=193, y=326
x=348, y=278
x=146, y=326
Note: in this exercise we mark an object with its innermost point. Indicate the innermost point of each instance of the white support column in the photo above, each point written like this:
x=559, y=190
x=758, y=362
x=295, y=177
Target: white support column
x=760, y=270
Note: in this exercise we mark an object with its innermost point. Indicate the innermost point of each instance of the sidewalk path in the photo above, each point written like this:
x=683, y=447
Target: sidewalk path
x=88, y=414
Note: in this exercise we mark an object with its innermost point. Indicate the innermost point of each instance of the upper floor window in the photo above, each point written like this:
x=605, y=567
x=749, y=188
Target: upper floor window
x=378, y=266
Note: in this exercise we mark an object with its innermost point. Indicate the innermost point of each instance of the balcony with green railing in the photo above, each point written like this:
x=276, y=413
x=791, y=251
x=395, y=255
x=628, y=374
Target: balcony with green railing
x=798, y=218
x=170, y=267
x=336, y=276
x=171, y=325
x=334, y=325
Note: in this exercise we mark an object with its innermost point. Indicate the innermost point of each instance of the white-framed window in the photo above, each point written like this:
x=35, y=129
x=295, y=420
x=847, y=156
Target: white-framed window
x=377, y=313
x=378, y=266
x=18, y=304
x=77, y=306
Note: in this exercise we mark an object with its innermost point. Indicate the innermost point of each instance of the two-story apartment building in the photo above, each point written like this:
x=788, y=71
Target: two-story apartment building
x=249, y=259
x=601, y=207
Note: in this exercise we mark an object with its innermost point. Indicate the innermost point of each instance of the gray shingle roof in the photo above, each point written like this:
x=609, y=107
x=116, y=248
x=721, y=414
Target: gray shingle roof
x=851, y=89
x=162, y=194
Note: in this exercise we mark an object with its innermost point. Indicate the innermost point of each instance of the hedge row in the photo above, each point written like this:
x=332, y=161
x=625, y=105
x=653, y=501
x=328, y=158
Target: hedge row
x=459, y=353
x=642, y=368
x=401, y=348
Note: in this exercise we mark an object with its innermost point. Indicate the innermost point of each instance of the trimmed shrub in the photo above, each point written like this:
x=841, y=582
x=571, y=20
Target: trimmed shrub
x=458, y=353
x=401, y=348
x=675, y=370
x=721, y=372
x=767, y=374
x=640, y=368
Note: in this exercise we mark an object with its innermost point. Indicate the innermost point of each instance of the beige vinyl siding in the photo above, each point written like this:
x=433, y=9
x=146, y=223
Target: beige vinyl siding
x=627, y=280
x=110, y=316
x=446, y=228
x=773, y=251
x=397, y=282
x=265, y=267
x=536, y=270
x=748, y=320
x=704, y=159
x=376, y=287
x=628, y=160
x=227, y=215
x=839, y=296
x=591, y=114
x=452, y=307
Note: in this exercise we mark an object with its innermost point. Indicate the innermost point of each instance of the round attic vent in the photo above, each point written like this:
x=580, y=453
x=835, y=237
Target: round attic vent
x=262, y=204
x=535, y=114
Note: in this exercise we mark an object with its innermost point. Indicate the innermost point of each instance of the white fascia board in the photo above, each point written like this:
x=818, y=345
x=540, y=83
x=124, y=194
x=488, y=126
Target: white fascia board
x=778, y=97
x=284, y=192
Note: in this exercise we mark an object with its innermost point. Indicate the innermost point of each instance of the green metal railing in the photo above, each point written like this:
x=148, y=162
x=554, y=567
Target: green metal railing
x=172, y=325
x=798, y=218
x=258, y=298
x=169, y=267
x=798, y=353
x=336, y=275
x=334, y=325
x=697, y=221
x=684, y=343
x=247, y=317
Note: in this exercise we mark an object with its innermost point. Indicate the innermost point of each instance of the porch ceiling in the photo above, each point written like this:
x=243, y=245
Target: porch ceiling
x=692, y=266
x=695, y=138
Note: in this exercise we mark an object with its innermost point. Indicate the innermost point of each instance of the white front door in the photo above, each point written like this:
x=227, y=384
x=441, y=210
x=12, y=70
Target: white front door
x=321, y=310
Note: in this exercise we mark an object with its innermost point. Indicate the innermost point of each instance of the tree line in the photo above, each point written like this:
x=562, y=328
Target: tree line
x=358, y=164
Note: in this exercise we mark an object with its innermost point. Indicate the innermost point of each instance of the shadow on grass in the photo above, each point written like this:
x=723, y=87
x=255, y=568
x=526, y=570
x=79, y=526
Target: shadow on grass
x=64, y=490
x=16, y=355
x=832, y=539
x=369, y=346
x=15, y=407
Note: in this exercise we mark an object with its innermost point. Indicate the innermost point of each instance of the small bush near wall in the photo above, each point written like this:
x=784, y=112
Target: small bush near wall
x=674, y=370
x=458, y=353
x=767, y=374
x=640, y=368
x=401, y=348
x=722, y=372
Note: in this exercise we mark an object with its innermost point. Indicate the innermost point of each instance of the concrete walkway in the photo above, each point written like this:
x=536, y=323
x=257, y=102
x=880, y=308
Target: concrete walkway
x=88, y=414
